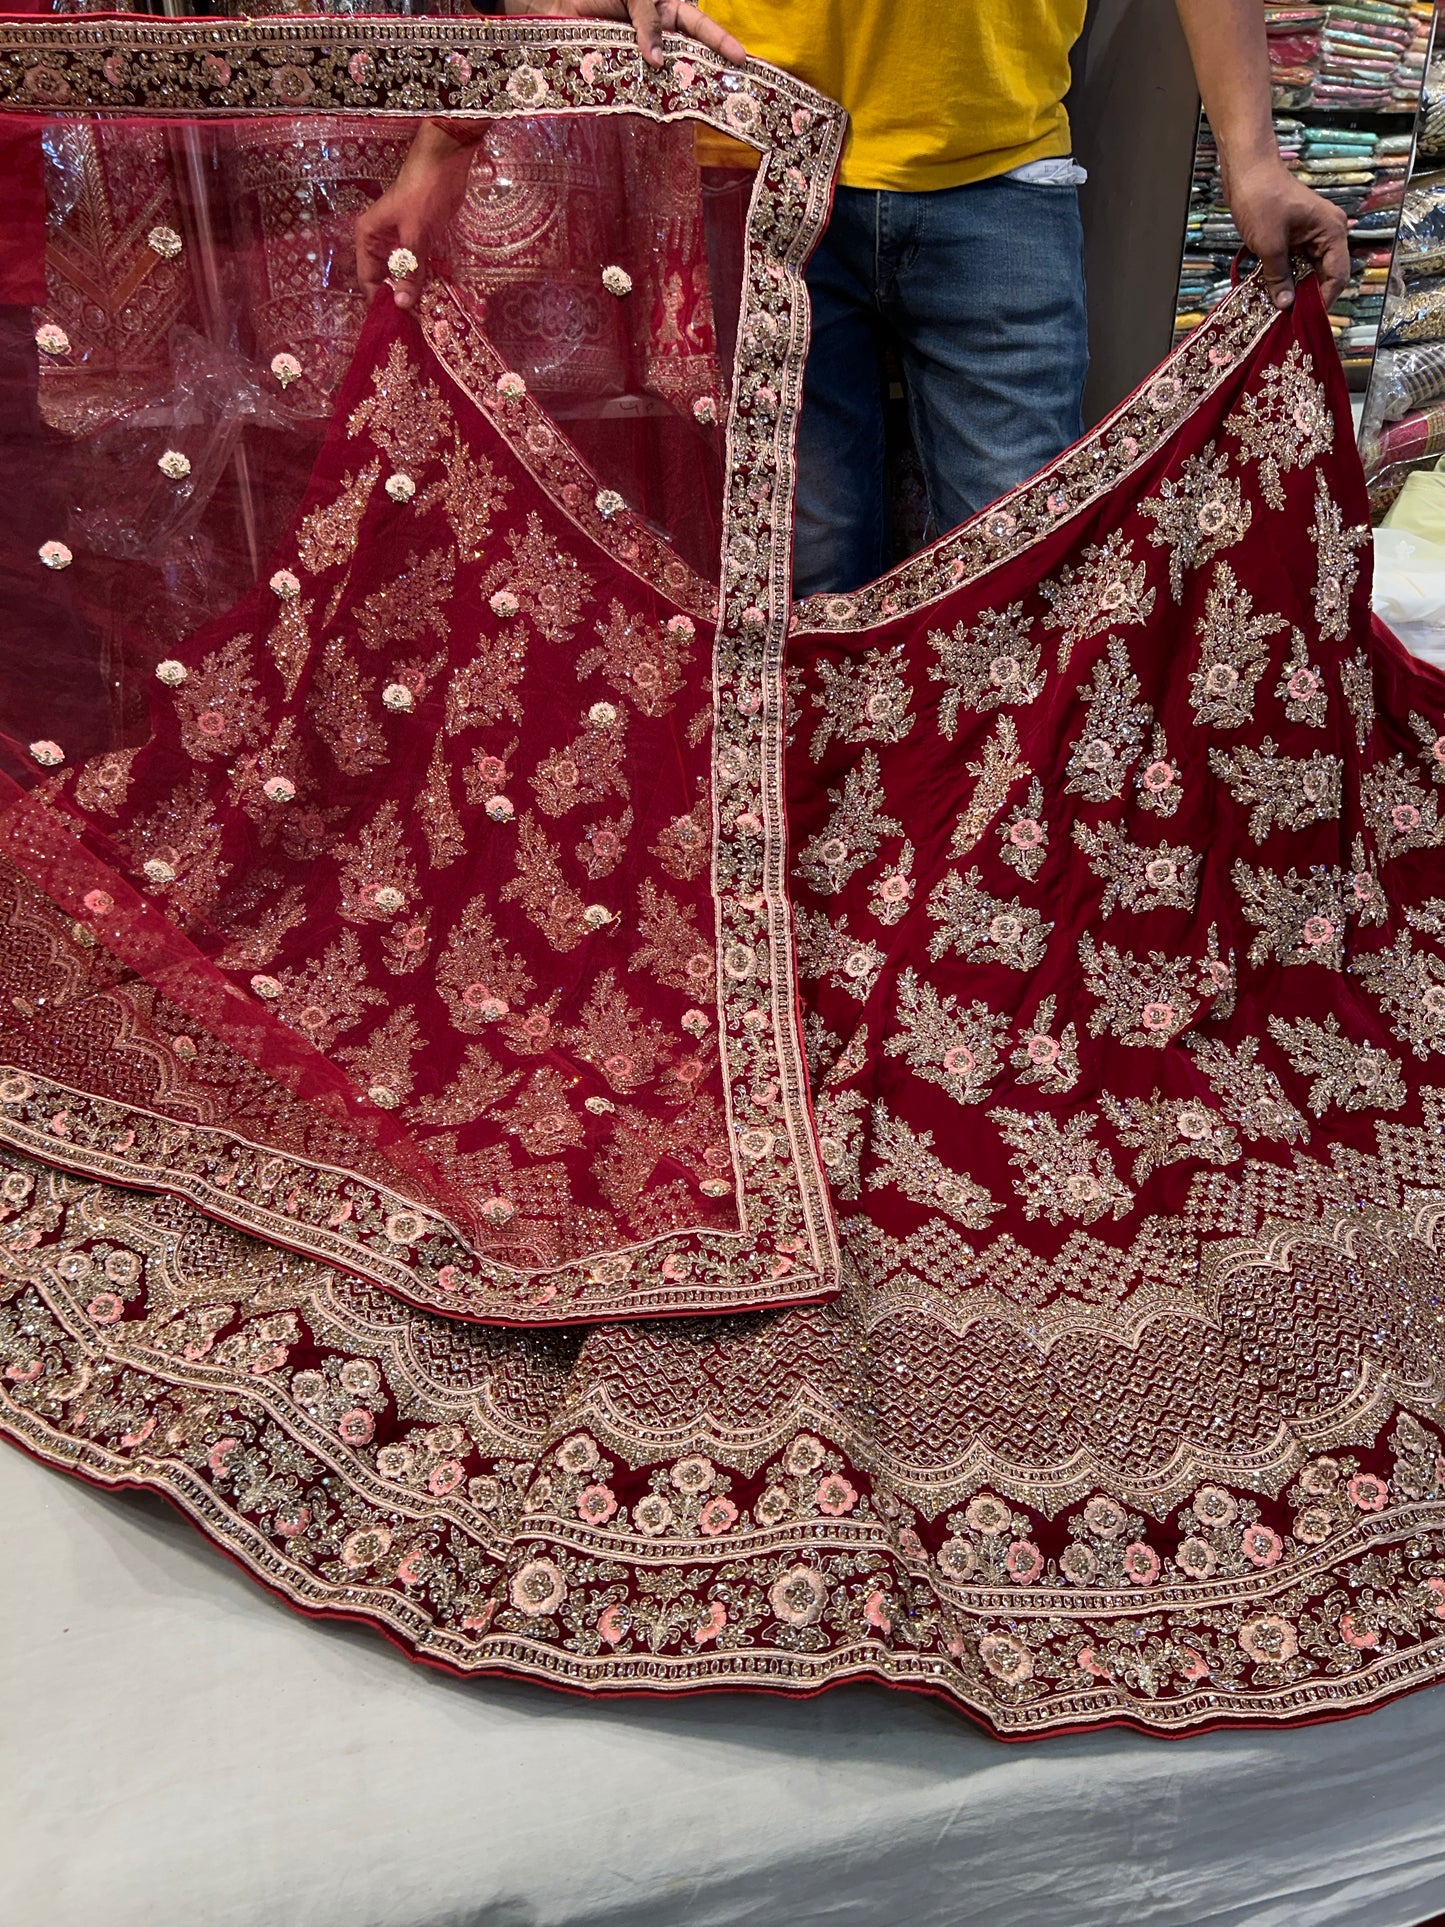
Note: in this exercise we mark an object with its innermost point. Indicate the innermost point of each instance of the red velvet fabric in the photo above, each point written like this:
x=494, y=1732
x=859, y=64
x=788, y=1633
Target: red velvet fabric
x=1095, y=855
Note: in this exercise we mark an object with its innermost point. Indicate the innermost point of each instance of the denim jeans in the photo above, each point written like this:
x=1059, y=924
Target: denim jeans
x=980, y=292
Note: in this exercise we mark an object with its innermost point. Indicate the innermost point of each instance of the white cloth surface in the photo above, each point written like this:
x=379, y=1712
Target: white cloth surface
x=1409, y=591
x=179, y=1748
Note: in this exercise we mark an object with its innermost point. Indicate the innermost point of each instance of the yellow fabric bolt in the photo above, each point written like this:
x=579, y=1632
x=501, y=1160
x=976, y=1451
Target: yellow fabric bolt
x=938, y=94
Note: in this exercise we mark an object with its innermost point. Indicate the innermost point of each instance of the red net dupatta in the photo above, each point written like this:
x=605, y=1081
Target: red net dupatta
x=433, y=921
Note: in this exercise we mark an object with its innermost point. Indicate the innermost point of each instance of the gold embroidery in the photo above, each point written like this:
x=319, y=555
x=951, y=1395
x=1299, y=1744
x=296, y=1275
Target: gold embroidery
x=1338, y=564
x=1232, y=653
x=542, y=1117
x=376, y=876
x=1064, y=1174
x=1164, y=1130
x=548, y=582
x=254, y=948
x=647, y=662
x=475, y=1088
x=984, y=929
x=682, y=848
x=1198, y=515
x=612, y=1035
x=994, y=662
x=1281, y=792
x=587, y=771
x=1024, y=835
x=1043, y=1059
x=340, y=707
x=1301, y=687
x=1158, y=785
x=486, y=689
x=1401, y=812
x=1251, y=1096
x=906, y=1160
x=673, y=950
x=829, y=950
x=955, y=1046
x=892, y=895
x=1357, y=680
x=329, y=996
x=102, y=783
x=854, y=832
x=471, y=495
x=1356, y=1077
x=410, y=606
x=327, y=536
x=1285, y=424
x=1113, y=731
x=863, y=701
x=217, y=706
x=543, y=891
x=1104, y=590
x=183, y=833
x=1432, y=743
x=997, y=771
x=1410, y=988
x=440, y=823
x=1147, y=1000
x=604, y=844
x=290, y=642
x=405, y=414
x=1139, y=877
x=383, y=1064
x=1300, y=919
x=840, y=1139
x=476, y=974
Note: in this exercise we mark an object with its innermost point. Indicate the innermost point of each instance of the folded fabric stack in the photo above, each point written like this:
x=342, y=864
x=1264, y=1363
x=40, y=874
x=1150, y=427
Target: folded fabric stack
x=1411, y=70
x=1365, y=53
x=1294, y=51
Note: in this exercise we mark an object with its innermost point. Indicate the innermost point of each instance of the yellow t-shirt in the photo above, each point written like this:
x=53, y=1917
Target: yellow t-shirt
x=939, y=92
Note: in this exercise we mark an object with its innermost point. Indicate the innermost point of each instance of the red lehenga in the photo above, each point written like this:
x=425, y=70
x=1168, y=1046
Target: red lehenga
x=940, y=1077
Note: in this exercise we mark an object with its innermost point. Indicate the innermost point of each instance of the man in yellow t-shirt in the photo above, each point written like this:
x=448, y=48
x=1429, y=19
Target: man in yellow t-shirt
x=954, y=239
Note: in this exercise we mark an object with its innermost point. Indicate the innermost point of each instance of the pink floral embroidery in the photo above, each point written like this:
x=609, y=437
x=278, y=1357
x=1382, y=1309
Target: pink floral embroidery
x=596, y=1504
x=1261, y=1545
x=1368, y=1493
x=710, y=1625
x=835, y=1496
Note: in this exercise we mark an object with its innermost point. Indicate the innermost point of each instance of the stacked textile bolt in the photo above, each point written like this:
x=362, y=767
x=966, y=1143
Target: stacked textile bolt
x=1365, y=49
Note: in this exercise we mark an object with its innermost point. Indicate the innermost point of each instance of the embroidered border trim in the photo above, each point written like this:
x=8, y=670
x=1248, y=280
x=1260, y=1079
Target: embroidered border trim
x=1026, y=1659
x=787, y=1250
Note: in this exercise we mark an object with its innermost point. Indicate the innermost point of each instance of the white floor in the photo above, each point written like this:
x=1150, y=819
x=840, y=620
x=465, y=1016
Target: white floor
x=179, y=1750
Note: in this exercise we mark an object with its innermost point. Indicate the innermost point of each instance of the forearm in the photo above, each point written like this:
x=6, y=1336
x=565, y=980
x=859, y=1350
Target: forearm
x=1231, y=64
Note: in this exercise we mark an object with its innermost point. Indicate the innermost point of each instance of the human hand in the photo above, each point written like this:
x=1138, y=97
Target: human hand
x=1277, y=216
x=414, y=212
x=651, y=18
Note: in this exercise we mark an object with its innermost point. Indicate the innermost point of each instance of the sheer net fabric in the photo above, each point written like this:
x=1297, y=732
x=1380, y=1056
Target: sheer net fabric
x=1093, y=856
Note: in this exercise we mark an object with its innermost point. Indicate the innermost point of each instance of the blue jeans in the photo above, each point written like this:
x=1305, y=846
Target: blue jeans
x=980, y=292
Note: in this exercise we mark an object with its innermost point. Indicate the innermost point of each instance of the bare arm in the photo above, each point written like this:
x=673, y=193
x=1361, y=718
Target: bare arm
x=1276, y=214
